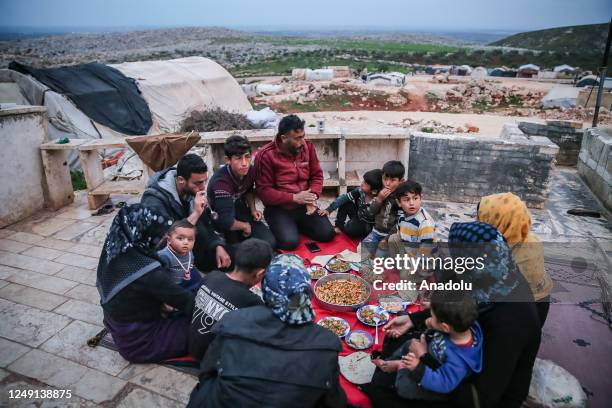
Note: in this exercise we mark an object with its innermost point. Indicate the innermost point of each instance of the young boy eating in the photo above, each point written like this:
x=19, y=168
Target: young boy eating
x=356, y=205
x=384, y=208
x=445, y=355
x=178, y=256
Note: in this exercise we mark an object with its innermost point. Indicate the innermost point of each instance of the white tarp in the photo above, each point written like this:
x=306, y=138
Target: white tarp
x=529, y=67
x=263, y=119
x=262, y=89
x=319, y=74
x=479, y=73
x=386, y=79
x=564, y=68
x=560, y=97
x=175, y=88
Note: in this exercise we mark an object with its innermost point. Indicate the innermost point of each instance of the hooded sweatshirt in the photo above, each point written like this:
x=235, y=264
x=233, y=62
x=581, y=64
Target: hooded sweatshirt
x=161, y=196
x=456, y=362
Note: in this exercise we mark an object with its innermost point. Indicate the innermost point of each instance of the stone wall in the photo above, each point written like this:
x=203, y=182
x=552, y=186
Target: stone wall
x=465, y=168
x=22, y=130
x=563, y=134
x=595, y=163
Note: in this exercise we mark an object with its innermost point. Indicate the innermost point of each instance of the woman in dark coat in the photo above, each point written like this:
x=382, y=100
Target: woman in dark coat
x=507, y=315
x=272, y=356
x=134, y=285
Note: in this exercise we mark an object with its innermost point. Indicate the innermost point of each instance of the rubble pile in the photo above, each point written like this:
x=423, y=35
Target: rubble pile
x=434, y=126
x=486, y=95
x=578, y=113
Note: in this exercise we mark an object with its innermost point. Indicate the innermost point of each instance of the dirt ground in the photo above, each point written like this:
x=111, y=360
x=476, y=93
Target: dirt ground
x=510, y=98
x=488, y=125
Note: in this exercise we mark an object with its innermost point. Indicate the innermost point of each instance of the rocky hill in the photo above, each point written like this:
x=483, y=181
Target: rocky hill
x=572, y=39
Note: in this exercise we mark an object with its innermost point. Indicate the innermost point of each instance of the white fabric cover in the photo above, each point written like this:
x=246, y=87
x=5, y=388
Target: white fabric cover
x=561, y=97
x=175, y=88
x=479, y=73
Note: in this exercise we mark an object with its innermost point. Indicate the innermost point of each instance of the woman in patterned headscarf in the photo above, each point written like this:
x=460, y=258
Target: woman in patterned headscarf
x=134, y=285
x=507, y=316
x=507, y=213
x=272, y=355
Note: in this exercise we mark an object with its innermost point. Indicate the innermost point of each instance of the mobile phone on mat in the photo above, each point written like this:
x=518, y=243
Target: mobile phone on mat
x=312, y=246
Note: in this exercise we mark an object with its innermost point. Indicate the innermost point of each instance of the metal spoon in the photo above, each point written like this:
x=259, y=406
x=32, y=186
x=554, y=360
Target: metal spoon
x=376, y=321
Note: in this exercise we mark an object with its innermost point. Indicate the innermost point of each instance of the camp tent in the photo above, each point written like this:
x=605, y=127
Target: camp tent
x=479, y=73
x=560, y=97
x=386, y=79
x=503, y=72
x=171, y=89
x=528, y=71
x=175, y=88
x=567, y=69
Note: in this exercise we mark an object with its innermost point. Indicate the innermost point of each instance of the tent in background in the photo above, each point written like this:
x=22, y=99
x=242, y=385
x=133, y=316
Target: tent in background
x=174, y=88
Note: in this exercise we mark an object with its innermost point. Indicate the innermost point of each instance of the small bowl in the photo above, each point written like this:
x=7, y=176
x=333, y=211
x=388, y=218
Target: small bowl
x=367, y=335
x=348, y=326
x=367, y=291
x=392, y=300
x=377, y=309
x=332, y=261
x=311, y=269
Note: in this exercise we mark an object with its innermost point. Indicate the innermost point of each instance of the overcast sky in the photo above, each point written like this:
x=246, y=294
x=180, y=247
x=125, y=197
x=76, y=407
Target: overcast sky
x=511, y=15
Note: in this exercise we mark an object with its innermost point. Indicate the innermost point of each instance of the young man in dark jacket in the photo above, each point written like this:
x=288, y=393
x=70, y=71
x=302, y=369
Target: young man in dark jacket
x=231, y=195
x=289, y=181
x=179, y=192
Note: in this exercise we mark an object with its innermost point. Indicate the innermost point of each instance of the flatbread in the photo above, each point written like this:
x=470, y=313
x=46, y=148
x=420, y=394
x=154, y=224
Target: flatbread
x=357, y=367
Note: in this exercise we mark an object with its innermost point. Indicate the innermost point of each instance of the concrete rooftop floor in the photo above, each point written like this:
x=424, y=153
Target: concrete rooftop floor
x=49, y=305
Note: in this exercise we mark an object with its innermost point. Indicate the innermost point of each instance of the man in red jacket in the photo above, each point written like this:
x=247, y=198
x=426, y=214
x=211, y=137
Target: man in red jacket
x=289, y=180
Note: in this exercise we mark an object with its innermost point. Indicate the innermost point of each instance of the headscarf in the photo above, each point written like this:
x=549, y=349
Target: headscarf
x=507, y=213
x=287, y=290
x=499, y=280
x=129, y=249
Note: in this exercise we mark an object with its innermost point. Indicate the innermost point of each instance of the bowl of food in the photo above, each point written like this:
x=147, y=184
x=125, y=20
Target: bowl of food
x=316, y=271
x=367, y=313
x=359, y=339
x=342, y=292
x=337, y=265
x=392, y=303
x=336, y=325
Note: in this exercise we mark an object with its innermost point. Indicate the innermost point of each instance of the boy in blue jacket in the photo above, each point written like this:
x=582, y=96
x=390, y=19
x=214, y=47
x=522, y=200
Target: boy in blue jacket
x=433, y=366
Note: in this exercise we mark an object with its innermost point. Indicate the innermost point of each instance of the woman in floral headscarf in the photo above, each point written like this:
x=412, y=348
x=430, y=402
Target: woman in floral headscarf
x=273, y=355
x=507, y=213
x=506, y=313
x=134, y=285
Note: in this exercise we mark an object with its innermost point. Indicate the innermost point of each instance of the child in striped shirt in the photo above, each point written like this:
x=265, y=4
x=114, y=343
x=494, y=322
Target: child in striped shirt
x=416, y=233
x=414, y=222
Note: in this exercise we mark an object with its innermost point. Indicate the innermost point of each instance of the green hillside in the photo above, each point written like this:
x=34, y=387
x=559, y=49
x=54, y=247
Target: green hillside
x=582, y=39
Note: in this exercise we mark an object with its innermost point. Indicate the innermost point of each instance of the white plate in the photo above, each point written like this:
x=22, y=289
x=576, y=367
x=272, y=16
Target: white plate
x=377, y=309
x=348, y=326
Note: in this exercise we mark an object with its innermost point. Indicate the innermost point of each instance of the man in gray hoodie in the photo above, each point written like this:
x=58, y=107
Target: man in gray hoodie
x=179, y=193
